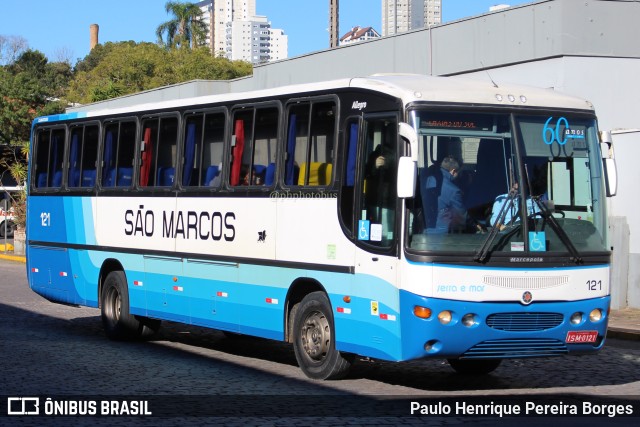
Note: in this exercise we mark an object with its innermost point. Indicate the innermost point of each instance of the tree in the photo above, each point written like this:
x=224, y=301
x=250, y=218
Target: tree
x=11, y=47
x=117, y=69
x=186, y=29
x=28, y=87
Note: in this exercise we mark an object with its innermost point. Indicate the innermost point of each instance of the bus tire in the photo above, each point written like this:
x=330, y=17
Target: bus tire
x=474, y=366
x=314, y=339
x=118, y=322
x=10, y=227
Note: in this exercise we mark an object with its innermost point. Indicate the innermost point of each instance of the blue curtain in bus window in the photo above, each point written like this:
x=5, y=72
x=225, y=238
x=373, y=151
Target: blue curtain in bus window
x=189, y=150
x=74, y=173
x=147, y=155
x=108, y=160
x=351, y=155
x=234, y=179
x=291, y=148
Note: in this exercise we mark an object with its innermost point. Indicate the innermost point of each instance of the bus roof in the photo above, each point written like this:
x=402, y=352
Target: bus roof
x=407, y=87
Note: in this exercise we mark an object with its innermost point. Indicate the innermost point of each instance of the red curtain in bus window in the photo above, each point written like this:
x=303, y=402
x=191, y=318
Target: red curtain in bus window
x=236, y=164
x=147, y=155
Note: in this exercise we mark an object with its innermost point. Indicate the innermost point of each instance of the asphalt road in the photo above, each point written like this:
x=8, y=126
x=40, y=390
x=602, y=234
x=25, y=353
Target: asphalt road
x=195, y=376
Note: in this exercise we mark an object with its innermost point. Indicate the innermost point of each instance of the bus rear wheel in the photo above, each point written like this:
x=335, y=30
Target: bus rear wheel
x=474, y=366
x=118, y=322
x=314, y=339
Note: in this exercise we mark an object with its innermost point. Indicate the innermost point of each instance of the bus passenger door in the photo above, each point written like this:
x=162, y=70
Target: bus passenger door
x=376, y=229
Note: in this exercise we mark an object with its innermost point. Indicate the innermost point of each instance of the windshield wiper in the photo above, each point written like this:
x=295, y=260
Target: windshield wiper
x=483, y=252
x=564, y=238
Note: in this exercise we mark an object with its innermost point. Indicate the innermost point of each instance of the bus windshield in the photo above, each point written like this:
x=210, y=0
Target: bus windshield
x=500, y=183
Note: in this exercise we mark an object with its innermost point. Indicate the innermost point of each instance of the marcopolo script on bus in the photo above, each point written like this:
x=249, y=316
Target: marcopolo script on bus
x=203, y=225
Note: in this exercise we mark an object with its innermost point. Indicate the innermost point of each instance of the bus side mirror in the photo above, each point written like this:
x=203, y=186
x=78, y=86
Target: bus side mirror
x=610, y=177
x=407, y=173
x=407, y=166
x=608, y=164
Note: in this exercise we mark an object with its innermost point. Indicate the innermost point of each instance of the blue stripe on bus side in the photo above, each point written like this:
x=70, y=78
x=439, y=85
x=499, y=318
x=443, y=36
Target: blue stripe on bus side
x=244, y=298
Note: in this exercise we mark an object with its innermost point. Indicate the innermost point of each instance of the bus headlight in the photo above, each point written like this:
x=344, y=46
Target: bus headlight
x=469, y=320
x=595, y=315
x=445, y=317
x=576, y=318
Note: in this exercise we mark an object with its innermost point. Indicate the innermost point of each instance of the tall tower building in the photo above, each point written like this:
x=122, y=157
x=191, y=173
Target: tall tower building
x=236, y=32
x=403, y=15
x=217, y=13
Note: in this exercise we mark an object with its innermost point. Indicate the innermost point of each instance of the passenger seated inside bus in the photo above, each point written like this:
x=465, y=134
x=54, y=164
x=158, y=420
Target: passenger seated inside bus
x=256, y=177
x=438, y=188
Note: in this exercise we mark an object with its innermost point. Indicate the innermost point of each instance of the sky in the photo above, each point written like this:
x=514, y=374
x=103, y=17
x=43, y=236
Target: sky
x=60, y=28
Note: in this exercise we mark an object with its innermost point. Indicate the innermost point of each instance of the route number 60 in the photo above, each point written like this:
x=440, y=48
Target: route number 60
x=549, y=134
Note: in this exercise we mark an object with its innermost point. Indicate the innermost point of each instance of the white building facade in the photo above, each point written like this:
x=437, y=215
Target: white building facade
x=399, y=16
x=236, y=32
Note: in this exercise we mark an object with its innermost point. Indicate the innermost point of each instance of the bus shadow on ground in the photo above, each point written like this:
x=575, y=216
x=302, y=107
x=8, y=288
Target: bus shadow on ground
x=177, y=342
x=436, y=374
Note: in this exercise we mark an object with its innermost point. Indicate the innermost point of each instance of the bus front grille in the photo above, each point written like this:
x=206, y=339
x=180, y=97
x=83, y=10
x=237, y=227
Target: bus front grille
x=524, y=322
x=517, y=348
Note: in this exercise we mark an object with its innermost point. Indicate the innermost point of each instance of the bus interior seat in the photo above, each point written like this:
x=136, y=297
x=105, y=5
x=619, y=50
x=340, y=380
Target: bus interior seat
x=260, y=171
x=124, y=177
x=319, y=173
x=490, y=179
x=42, y=180
x=429, y=195
x=166, y=175
x=57, y=179
x=270, y=174
x=211, y=173
x=88, y=178
x=74, y=178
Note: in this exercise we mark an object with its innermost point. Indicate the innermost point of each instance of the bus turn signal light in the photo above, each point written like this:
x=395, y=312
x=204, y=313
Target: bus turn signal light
x=422, y=312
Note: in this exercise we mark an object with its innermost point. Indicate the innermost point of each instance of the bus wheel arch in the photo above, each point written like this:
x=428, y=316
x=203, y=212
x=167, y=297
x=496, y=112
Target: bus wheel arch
x=113, y=293
x=297, y=291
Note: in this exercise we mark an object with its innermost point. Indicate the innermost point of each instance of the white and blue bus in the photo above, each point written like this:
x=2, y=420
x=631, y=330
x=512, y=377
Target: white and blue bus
x=394, y=217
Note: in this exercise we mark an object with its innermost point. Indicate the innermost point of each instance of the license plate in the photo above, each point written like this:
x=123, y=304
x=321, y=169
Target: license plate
x=581, y=337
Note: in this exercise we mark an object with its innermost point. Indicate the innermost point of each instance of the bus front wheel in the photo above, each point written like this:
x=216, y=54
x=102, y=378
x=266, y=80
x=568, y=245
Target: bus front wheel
x=474, y=366
x=314, y=339
x=118, y=322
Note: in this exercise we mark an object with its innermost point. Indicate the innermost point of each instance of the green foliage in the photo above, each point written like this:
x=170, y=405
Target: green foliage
x=28, y=89
x=118, y=69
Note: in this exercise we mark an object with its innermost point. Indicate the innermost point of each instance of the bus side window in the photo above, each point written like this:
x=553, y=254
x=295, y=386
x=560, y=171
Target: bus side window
x=83, y=154
x=49, y=158
x=203, y=148
x=158, y=152
x=264, y=148
x=253, y=146
x=118, y=154
x=310, y=144
x=349, y=175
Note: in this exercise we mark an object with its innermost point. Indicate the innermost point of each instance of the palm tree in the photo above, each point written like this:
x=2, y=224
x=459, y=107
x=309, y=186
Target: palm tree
x=185, y=29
